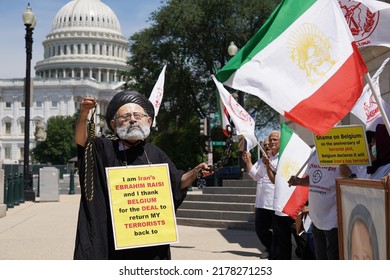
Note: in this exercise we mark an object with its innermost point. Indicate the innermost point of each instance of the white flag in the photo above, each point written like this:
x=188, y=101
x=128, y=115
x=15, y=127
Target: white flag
x=366, y=108
x=157, y=93
x=224, y=116
x=368, y=20
x=374, y=5
x=244, y=123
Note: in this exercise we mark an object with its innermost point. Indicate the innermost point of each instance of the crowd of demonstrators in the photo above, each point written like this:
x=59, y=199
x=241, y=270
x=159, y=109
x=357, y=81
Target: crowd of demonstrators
x=129, y=116
x=322, y=202
x=274, y=228
x=264, y=196
x=322, y=190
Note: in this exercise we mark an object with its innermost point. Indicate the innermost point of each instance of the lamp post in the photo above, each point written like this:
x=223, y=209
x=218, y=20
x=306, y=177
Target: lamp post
x=101, y=125
x=232, y=50
x=30, y=22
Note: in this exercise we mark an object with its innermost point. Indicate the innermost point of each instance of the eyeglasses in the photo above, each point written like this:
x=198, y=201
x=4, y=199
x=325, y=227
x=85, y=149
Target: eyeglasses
x=127, y=117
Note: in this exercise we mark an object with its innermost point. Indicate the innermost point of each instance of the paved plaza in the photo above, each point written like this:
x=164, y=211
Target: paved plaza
x=46, y=231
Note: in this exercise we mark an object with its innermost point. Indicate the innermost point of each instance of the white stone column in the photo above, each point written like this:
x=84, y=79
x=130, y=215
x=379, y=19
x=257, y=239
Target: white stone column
x=46, y=107
x=70, y=105
x=14, y=123
x=62, y=107
x=3, y=207
x=104, y=49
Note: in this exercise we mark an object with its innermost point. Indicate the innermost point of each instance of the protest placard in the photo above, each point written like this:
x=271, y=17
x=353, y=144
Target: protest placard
x=343, y=145
x=141, y=204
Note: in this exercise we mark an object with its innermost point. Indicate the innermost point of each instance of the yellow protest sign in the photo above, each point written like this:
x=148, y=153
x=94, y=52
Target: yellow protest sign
x=141, y=204
x=343, y=145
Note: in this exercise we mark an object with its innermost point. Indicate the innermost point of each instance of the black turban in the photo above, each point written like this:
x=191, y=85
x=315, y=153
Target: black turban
x=124, y=97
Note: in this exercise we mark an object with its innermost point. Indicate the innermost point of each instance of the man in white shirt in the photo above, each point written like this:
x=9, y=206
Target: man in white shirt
x=264, y=197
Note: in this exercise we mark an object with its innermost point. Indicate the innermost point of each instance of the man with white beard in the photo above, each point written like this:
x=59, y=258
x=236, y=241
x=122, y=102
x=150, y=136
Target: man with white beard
x=129, y=116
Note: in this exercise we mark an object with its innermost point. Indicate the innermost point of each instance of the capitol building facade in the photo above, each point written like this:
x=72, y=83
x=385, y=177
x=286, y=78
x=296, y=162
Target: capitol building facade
x=84, y=55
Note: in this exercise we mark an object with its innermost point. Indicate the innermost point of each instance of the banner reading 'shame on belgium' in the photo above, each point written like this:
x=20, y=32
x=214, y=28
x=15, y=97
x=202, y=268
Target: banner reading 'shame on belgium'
x=141, y=204
x=343, y=145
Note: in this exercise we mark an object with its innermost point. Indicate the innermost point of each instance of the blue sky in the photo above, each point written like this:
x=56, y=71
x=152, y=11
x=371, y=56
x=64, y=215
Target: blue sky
x=132, y=14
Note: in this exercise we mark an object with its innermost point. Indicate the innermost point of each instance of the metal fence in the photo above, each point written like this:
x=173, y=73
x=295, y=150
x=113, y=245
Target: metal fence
x=14, y=181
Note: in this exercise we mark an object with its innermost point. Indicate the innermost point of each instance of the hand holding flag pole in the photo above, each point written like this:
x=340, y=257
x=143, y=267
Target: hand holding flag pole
x=273, y=167
x=262, y=150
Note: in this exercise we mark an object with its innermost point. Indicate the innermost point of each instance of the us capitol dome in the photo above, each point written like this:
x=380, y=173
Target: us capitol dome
x=85, y=42
x=84, y=55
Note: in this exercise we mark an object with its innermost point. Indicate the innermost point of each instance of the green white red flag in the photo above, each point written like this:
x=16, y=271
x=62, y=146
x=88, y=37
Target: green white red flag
x=293, y=154
x=303, y=62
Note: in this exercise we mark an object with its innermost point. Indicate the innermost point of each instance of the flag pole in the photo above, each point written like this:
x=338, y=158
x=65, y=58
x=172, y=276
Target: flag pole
x=261, y=149
x=304, y=165
x=265, y=154
x=378, y=101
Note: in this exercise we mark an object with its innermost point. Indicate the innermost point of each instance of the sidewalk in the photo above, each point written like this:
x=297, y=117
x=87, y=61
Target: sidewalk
x=46, y=231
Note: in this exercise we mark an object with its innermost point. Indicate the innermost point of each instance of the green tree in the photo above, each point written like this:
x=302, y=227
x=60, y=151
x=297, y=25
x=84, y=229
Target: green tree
x=59, y=146
x=192, y=38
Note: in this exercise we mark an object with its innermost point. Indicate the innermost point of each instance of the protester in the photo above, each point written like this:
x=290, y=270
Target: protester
x=322, y=206
x=264, y=196
x=282, y=224
x=380, y=151
x=129, y=116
